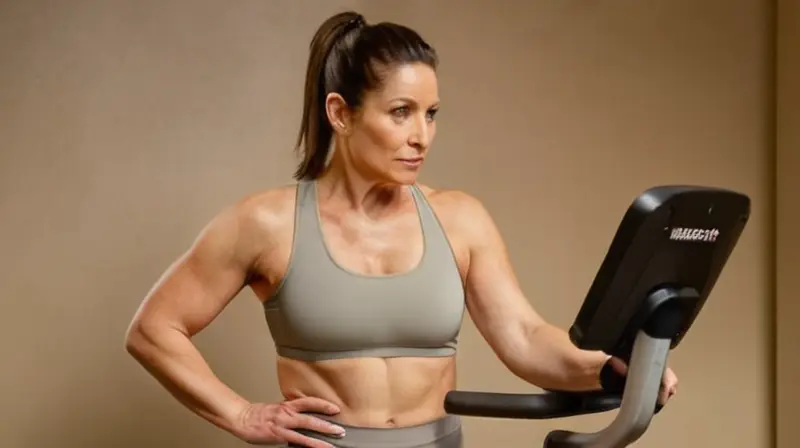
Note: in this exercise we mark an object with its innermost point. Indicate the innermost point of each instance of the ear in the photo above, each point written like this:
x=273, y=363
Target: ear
x=338, y=113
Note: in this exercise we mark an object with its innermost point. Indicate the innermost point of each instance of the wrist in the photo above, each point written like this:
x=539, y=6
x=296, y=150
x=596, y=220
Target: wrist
x=592, y=372
x=234, y=419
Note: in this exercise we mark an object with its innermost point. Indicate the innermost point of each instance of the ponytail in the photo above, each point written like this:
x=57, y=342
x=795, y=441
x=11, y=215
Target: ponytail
x=314, y=139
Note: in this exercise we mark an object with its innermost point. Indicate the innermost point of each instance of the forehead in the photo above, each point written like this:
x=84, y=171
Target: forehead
x=410, y=81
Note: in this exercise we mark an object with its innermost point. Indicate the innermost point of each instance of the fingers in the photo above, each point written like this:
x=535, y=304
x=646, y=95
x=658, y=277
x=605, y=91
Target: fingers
x=309, y=422
x=295, y=438
x=619, y=365
x=669, y=382
x=663, y=396
x=312, y=404
x=290, y=421
x=669, y=386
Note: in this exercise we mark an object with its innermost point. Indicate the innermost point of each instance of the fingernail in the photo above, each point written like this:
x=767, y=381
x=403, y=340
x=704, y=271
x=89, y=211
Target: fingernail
x=339, y=430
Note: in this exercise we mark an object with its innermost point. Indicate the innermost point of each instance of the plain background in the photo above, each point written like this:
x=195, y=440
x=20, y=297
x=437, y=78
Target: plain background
x=126, y=125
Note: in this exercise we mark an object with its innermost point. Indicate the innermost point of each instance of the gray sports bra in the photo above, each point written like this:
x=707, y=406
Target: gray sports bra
x=323, y=311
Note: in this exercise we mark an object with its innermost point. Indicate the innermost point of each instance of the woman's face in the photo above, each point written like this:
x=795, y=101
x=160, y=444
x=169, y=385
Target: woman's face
x=393, y=129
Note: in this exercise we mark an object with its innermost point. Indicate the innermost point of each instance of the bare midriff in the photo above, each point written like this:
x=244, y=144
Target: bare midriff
x=373, y=392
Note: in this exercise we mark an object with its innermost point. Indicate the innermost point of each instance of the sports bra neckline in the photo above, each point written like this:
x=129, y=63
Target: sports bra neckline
x=419, y=265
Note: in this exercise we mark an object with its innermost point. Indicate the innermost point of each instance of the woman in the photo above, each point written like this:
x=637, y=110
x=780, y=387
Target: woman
x=364, y=274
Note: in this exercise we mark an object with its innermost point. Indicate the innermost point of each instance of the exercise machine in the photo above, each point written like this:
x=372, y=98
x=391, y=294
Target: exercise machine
x=663, y=262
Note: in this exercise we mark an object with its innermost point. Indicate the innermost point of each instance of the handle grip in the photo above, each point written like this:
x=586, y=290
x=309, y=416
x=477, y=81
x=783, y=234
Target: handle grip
x=614, y=383
x=529, y=406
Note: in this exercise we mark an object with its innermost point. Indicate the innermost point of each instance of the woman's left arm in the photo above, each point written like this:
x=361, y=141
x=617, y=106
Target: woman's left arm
x=532, y=349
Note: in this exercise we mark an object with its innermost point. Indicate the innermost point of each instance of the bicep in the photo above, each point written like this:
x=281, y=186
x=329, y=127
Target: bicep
x=496, y=303
x=203, y=280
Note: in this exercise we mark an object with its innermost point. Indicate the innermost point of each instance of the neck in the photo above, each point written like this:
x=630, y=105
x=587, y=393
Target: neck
x=344, y=185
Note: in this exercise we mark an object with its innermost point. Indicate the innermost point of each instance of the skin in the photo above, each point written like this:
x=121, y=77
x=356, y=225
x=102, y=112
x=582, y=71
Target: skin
x=370, y=225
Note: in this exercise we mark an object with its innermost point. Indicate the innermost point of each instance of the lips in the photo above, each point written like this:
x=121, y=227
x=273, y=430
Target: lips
x=413, y=163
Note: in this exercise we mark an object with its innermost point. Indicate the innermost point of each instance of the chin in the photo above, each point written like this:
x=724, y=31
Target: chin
x=403, y=178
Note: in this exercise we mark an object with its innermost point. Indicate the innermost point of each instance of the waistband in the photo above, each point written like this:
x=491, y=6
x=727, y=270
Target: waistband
x=441, y=433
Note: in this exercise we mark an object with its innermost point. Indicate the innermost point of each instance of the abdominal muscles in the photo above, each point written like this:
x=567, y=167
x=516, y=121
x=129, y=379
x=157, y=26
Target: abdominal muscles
x=373, y=392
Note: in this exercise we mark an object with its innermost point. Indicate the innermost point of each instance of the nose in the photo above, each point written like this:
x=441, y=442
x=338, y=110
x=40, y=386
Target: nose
x=422, y=134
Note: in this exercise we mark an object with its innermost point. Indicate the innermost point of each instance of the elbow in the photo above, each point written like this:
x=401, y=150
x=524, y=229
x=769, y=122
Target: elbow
x=145, y=338
x=135, y=339
x=142, y=337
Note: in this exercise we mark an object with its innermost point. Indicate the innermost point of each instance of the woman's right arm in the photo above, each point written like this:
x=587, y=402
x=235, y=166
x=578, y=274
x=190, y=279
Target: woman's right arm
x=188, y=296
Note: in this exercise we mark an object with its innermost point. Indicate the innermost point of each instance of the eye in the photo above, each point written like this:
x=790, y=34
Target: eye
x=432, y=114
x=400, y=112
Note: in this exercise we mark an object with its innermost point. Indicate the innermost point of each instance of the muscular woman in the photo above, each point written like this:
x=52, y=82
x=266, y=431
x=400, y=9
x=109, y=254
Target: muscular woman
x=363, y=273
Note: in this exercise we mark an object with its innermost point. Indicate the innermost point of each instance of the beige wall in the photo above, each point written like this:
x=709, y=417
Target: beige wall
x=788, y=242
x=126, y=125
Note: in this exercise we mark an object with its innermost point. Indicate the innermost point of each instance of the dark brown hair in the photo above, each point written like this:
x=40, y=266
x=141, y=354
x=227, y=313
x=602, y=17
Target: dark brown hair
x=346, y=57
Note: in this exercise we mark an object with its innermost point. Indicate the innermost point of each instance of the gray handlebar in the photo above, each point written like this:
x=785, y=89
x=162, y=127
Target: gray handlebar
x=553, y=404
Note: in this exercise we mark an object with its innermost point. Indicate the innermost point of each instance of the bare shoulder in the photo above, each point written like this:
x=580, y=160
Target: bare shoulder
x=459, y=211
x=269, y=209
x=254, y=223
x=457, y=203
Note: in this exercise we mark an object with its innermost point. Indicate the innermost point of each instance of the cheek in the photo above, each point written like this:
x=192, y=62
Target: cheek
x=383, y=137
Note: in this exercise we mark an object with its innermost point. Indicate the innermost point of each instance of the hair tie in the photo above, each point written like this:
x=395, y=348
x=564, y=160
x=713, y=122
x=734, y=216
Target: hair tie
x=357, y=21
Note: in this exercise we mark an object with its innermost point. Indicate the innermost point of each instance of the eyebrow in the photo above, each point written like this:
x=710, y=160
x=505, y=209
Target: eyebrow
x=412, y=100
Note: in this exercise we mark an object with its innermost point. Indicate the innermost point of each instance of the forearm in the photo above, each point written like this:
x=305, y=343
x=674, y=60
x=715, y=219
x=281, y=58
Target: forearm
x=170, y=356
x=551, y=361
